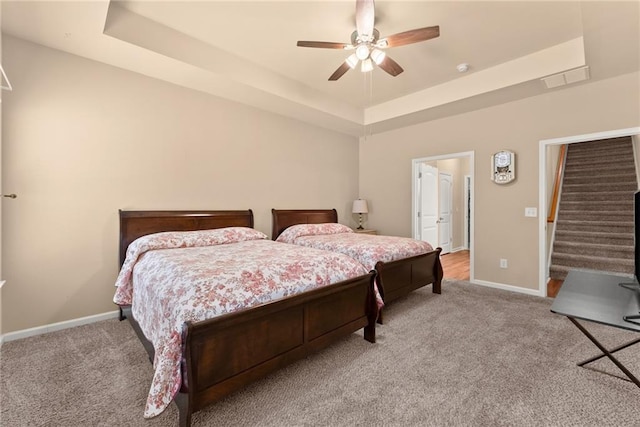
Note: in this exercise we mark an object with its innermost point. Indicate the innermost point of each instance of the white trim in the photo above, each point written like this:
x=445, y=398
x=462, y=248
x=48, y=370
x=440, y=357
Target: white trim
x=511, y=288
x=415, y=168
x=458, y=249
x=2, y=282
x=542, y=190
x=465, y=230
x=451, y=224
x=11, y=336
x=634, y=145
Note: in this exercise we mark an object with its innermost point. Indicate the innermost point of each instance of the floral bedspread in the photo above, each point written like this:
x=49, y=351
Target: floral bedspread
x=366, y=248
x=170, y=278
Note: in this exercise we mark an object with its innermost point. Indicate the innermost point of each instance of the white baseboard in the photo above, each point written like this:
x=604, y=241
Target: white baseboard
x=11, y=336
x=518, y=289
x=458, y=249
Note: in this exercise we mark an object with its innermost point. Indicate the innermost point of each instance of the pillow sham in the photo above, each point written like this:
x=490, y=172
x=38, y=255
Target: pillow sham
x=292, y=233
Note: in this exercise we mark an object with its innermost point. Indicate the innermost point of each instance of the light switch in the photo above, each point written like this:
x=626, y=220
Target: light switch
x=531, y=212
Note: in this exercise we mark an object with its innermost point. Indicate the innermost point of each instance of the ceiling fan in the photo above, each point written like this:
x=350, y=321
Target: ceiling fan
x=368, y=45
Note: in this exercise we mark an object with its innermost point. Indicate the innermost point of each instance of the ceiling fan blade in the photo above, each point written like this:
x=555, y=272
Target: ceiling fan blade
x=365, y=17
x=324, y=45
x=413, y=36
x=340, y=72
x=390, y=66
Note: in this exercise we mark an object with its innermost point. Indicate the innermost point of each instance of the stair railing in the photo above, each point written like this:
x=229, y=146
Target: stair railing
x=553, y=206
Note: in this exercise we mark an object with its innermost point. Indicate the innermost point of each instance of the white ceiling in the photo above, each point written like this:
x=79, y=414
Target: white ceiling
x=246, y=51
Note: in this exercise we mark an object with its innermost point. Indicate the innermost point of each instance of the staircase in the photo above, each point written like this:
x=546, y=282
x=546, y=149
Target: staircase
x=595, y=224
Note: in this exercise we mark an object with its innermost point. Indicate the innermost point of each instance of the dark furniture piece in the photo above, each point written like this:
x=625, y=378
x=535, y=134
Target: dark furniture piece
x=396, y=278
x=597, y=297
x=223, y=354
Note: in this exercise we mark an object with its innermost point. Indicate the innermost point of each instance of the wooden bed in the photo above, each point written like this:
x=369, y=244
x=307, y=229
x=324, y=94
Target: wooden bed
x=223, y=354
x=396, y=279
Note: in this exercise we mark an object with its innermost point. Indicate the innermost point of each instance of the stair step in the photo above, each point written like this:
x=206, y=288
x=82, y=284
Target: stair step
x=599, y=186
x=559, y=272
x=605, y=196
x=600, y=162
x=596, y=206
x=595, y=226
x=599, y=263
x=604, y=216
x=627, y=178
x=593, y=249
x=625, y=239
x=587, y=170
x=578, y=152
x=590, y=146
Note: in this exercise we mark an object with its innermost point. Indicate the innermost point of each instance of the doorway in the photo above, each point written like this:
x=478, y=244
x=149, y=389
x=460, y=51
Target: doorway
x=442, y=202
x=545, y=239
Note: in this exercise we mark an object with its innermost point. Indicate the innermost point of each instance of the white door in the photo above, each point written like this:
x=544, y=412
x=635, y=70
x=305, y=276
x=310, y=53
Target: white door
x=444, y=220
x=428, y=213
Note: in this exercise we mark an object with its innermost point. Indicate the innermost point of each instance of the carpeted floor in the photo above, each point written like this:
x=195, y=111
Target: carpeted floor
x=472, y=356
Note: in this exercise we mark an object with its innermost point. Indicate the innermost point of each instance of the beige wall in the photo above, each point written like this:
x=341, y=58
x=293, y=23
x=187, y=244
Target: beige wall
x=501, y=229
x=83, y=139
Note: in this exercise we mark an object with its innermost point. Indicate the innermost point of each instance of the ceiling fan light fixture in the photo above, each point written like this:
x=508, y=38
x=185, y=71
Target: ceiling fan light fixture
x=378, y=56
x=352, y=60
x=368, y=47
x=362, y=52
x=367, y=65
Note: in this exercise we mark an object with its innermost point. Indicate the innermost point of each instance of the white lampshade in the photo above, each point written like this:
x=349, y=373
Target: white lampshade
x=360, y=206
x=378, y=56
x=366, y=65
x=362, y=52
x=352, y=60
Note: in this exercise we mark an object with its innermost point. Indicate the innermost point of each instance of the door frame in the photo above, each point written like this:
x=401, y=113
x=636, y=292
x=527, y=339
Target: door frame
x=543, y=269
x=415, y=168
x=466, y=206
x=450, y=208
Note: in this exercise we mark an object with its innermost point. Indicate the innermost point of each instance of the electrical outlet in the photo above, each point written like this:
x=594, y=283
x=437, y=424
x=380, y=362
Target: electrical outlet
x=531, y=212
x=503, y=263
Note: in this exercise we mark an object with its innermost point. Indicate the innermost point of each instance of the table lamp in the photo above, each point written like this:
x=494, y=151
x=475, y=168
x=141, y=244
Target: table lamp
x=360, y=207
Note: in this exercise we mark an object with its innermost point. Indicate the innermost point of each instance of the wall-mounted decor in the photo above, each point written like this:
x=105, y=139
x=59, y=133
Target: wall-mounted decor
x=503, y=167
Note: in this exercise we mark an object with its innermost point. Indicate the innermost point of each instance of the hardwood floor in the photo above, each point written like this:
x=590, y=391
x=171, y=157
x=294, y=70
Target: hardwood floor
x=456, y=265
x=553, y=286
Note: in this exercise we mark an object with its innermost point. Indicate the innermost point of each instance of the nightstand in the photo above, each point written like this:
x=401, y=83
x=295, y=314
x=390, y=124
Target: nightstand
x=365, y=231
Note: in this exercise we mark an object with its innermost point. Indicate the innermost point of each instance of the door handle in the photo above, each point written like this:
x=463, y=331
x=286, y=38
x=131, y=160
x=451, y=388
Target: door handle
x=11, y=196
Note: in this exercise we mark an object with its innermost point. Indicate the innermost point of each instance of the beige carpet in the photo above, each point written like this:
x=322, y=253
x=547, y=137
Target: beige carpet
x=471, y=356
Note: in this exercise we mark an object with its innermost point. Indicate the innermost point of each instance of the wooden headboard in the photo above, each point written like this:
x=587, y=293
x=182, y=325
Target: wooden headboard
x=281, y=219
x=134, y=224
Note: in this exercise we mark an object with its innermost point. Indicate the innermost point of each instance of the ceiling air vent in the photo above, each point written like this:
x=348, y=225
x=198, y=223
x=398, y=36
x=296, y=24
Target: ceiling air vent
x=568, y=77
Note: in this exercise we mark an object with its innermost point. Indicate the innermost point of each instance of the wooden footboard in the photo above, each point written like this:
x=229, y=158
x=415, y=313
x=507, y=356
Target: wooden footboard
x=399, y=278
x=224, y=354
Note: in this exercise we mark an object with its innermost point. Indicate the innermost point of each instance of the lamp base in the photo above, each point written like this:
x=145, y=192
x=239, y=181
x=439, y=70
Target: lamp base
x=360, y=228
